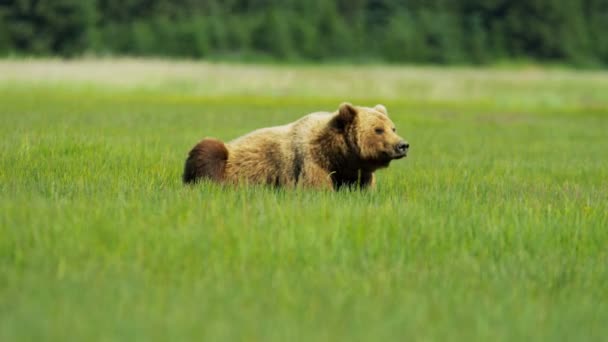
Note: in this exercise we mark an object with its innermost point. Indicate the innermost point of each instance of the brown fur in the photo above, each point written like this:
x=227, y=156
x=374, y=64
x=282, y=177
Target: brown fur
x=206, y=160
x=322, y=150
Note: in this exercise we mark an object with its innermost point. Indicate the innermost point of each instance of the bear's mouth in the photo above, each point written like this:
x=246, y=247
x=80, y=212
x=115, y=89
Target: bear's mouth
x=394, y=155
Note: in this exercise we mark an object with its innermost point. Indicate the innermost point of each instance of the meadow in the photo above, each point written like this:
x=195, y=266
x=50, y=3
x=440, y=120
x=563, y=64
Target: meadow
x=494, y=228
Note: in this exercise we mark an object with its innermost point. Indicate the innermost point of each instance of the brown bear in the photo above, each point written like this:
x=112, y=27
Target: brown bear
x=321, y=150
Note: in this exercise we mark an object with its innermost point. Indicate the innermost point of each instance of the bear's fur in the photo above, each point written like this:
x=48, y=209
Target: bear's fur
x=321, y=150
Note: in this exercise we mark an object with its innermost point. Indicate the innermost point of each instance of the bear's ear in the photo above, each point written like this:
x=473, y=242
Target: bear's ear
x=346, y=115
x=380, y=108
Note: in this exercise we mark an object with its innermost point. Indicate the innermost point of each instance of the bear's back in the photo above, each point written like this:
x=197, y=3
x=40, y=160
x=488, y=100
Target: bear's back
x=274, y=155
x=299, y=130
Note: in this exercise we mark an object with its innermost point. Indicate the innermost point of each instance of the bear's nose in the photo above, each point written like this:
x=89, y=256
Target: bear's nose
x=402, y=146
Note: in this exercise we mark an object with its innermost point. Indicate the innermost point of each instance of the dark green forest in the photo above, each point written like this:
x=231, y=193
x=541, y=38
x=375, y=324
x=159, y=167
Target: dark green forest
x=431, y=31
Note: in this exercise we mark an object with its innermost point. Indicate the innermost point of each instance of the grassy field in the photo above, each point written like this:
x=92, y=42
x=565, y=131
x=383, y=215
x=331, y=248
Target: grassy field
x=494, y=228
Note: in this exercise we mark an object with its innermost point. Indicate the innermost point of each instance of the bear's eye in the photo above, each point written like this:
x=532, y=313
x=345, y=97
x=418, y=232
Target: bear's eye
x=379, y=130
x=394, y=129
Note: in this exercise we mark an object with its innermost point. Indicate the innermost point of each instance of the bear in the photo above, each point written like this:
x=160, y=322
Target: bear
x=321, y=150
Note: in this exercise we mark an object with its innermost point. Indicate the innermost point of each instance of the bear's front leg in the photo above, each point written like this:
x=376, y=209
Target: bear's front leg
x=371, y=183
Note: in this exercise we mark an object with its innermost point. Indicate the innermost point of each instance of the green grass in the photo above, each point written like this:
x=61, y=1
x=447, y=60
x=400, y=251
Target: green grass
x=494, y=228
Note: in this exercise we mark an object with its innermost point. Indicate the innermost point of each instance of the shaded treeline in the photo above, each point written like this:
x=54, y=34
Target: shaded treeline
x=414, y=31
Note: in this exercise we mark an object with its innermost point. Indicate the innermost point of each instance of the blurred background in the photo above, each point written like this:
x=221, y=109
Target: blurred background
x=470, y=32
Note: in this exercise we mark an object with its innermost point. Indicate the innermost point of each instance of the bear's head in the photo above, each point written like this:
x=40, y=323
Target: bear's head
x=370, y=133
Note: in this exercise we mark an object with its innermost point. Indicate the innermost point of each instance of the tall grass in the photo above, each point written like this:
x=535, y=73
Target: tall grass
x=493, y=228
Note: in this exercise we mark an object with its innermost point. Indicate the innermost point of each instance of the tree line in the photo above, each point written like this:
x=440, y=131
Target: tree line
x=400, y=31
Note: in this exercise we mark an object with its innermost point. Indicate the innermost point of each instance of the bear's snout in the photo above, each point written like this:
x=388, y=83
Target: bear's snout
x=401, y=148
